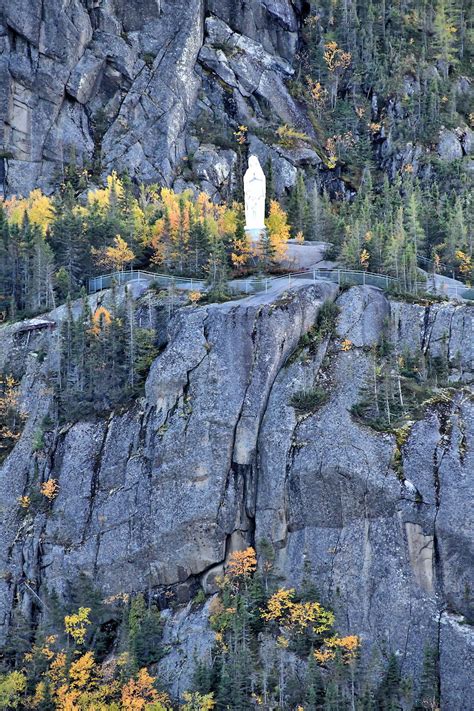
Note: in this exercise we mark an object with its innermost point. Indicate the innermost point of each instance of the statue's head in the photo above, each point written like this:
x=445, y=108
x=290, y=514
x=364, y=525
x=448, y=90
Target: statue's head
x=254, y=163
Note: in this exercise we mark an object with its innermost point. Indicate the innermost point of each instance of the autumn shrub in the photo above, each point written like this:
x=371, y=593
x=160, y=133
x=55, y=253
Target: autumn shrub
x=289, y=137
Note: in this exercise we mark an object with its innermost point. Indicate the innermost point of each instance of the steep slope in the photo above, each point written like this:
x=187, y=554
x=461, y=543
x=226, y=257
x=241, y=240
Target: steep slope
x=216, y=457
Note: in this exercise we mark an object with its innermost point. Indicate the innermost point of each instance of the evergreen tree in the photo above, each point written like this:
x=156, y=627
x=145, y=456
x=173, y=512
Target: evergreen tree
x=270, y=194
x=389, y=689
x=298, y=210
x=68, y=240
x=445, y=35
x=314, y=698
x=429, y=687
x=216, y=271
x=413, y=227
x=199, y=240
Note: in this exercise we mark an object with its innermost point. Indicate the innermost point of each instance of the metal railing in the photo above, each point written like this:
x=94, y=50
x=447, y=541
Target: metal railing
x=254, y=285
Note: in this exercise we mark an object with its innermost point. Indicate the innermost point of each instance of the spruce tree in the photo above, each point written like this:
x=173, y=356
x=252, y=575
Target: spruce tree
x=389, y=689
x=270, y=194
x=298, y=208
x=429, y=687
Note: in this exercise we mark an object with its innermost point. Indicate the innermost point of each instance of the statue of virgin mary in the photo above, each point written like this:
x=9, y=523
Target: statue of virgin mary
x=255, y=191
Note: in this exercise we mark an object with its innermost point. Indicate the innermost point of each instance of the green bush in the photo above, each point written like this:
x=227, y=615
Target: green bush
x=305, y=401
x=327, y=319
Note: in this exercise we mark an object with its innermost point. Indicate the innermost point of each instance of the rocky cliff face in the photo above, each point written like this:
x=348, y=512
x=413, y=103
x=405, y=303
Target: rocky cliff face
x=136, y=86
x=214, y=457
x=157, y=88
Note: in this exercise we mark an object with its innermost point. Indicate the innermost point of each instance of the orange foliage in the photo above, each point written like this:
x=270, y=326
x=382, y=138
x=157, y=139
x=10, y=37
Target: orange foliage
x=347, y=646
x=194, y=296
x=242, y=563
x=139, y=692
x=335, y=57
x=50, y=489
x=101, y=319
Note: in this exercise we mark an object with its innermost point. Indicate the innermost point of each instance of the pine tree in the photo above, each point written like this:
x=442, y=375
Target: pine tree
x=456, y=232
x=216, y=271
x=199, y=240
x=445, y=35
x=298, y=209
x=414, y=232
x=314, y=698
x=313, y=212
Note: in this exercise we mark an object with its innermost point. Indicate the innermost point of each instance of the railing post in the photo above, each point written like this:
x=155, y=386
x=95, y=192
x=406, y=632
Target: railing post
x=363, y=278
x=386, y=282
x=314, y=275
x=339, y=277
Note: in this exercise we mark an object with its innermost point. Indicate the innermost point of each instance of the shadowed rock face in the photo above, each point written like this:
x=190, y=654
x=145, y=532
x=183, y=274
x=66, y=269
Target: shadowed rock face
x=119, y=82
x=214, y=458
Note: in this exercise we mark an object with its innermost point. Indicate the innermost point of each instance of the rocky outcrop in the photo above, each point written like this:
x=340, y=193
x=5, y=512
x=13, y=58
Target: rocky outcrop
x=215, y=457
x=449, y=146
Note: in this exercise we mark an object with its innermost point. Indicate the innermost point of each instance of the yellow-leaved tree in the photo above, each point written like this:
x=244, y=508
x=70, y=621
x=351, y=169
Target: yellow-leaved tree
x=106, y=197
x=117, y=256
x=278, y=229
x=242, y=563
x=38, y=206
x=77, y=623
x=139, y=693
x=194, y=701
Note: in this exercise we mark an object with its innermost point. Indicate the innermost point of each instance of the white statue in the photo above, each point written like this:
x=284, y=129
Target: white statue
x=255, y=191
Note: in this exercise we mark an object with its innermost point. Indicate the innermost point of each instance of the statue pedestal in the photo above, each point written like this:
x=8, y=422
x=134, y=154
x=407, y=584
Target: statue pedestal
x=255, y=235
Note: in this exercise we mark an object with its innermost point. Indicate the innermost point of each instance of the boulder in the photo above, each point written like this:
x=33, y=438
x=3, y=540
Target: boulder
x=449, y=146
